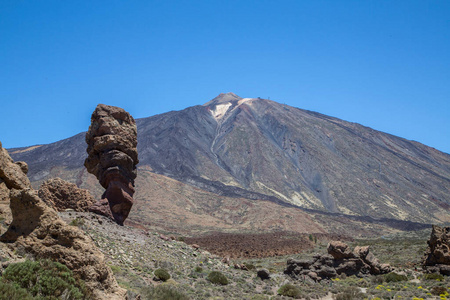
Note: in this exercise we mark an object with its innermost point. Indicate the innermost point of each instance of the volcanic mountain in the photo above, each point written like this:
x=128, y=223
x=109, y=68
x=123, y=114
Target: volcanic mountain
x=253, y=150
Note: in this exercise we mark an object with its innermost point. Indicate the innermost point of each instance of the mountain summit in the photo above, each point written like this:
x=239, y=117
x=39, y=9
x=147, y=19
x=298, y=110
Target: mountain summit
x=255, y=148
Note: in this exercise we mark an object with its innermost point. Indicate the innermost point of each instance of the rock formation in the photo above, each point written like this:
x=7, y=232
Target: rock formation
x=339, y=260
x=37, y=230
x=62, y=195
x=112, y=158
x=437, y=256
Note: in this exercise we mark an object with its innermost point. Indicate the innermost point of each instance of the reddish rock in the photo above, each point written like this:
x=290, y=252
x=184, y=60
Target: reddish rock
x=112, y=158
x=62, y=195
x=339, y=250
x=437, y=256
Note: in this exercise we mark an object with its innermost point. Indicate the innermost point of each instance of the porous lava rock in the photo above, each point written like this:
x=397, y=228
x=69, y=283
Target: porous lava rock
x=339, y=260
x=62, y=195
x=37, y=230
x=13, y=174
x=112, y=158
x=437, y=255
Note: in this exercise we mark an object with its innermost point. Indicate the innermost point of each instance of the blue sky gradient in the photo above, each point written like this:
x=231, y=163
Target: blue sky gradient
x=383, y=64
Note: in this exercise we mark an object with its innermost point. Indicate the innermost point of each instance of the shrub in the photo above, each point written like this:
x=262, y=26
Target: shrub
x=10, y=291
x=198, y=269
x=77, y=222
x=350, y=293
x=438, y=290
x=163, y=292
x=394, y=277
x=433, y=276
x=45, y=279
x=217, y=278
x=249, y=266
x=162, y=274
x=289, y=290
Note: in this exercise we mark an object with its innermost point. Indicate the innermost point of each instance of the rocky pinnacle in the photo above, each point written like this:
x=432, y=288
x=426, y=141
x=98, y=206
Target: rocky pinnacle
x=112, y=158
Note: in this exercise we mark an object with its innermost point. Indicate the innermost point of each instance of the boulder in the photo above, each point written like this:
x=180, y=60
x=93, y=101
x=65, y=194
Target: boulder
x=62, y=195
x=263, y=274
x=112, y=158
x=13, y=175
x=339, y=260
x=339, y=250
x=437, y=254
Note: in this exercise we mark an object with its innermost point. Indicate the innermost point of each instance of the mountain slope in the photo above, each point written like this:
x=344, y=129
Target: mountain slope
x=259, y=149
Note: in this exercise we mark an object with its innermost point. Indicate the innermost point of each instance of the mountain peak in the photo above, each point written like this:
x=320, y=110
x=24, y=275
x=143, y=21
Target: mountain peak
x=224, y=98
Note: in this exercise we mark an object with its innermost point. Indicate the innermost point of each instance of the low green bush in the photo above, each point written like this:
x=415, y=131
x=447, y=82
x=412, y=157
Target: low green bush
x=289, y=290
x=10, y=291
x=162, y=292
x=162, y=274
x=250, y=266
x=45, y=279
x=198, y=269
x=394, y=277
x=350, y=293
x=433, y=276
x=217, y=278
x=438, y=290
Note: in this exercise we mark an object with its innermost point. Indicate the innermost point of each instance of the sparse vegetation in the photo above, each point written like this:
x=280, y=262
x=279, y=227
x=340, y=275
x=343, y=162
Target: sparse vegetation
x=163, y=292
x=350, y=293
x=77, y=222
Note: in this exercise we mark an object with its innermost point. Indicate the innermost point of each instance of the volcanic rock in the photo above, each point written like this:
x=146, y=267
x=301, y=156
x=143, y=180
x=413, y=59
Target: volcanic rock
x=14, y=175
x=437, y=256
x=37, y=230
x=339, y=250
x=62, y=195
x=112, y=158
x=263, y=274
x=339, y=260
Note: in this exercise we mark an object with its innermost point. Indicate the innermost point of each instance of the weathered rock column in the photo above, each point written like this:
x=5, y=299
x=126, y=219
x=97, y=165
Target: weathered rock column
x=112, y=158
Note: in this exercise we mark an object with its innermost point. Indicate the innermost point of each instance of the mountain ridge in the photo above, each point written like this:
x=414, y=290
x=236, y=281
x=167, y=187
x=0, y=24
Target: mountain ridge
x=259, y=149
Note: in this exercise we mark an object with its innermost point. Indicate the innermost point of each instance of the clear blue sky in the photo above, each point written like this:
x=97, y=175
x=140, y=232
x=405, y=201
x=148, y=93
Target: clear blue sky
x=384, y=64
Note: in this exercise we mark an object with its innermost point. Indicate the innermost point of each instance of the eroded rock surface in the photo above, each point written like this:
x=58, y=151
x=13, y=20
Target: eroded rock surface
x=339, y=260
x=62, y=195
x=37, y=230
x=437, y=256
x=112, y=158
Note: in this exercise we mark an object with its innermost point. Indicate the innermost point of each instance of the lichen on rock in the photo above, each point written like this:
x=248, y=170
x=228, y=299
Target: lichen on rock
x=112, y=158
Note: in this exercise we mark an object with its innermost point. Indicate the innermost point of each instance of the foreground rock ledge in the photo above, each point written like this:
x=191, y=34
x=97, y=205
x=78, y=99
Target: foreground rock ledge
x=36, y=229
x=112, y=158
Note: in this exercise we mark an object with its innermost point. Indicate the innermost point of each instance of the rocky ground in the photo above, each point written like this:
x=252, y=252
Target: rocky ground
x=135, y=254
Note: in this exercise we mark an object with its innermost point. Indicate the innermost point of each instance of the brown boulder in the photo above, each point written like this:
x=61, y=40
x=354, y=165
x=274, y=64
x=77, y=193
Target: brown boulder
x=438, y=251
x=112, y=158
x=62, y=195
x=14, y=175
x=339, y=250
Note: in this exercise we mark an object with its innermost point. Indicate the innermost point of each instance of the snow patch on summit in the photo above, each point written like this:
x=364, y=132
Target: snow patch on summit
x=220, y=110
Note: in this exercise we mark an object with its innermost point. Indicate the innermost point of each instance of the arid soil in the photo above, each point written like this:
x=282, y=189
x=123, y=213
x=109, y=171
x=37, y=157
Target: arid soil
x=257, y=245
